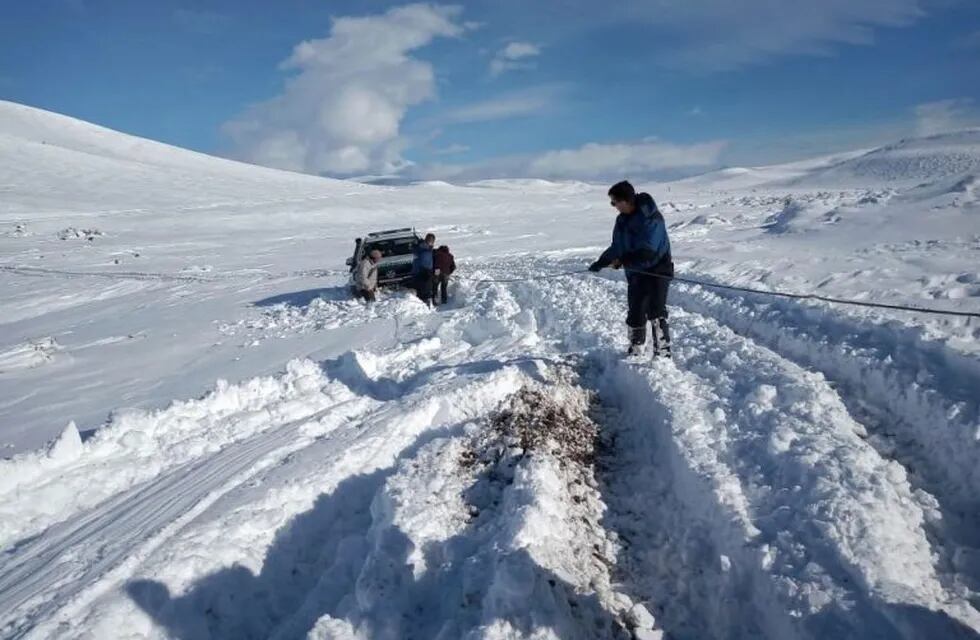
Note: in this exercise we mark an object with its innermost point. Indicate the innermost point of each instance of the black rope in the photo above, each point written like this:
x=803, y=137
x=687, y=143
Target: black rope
x=764, y=292
x=547, y=276
x=205, y=277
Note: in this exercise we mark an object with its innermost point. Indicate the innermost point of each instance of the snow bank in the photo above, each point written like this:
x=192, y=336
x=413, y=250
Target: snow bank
x=925, y=391
x=39, y=488
x=908, y=161
x=768, y=461
x=493, y=534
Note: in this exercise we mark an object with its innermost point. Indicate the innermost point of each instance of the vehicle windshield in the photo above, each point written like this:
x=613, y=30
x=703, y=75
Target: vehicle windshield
x=391, y=247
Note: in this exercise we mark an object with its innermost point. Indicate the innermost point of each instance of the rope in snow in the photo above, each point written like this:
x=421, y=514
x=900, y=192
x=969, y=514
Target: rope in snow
x=764, y=292
x=215, y=277
x=547, y=276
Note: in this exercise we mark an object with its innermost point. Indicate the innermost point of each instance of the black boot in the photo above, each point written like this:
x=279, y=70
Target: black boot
x=638, y=337
x=662, y=341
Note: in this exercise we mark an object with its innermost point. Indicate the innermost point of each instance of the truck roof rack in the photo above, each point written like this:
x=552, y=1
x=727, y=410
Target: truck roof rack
x=384, y=233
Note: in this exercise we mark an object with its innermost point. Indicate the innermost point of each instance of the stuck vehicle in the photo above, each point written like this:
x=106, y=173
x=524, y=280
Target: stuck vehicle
x=396, y=247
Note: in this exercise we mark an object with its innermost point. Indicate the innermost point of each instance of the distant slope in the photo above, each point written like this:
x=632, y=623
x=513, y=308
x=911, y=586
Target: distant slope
x=910, y=162
x=907, y=162
x=748, y=177
x=58, y=164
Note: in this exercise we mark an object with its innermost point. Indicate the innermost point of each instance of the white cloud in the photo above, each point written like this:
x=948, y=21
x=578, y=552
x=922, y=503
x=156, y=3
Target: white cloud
x=513, y=56
x=518, y=50
x=510, y=105
x=717, y=35
x=593, y=161
x=945, y=115
x=342, y=110
x=727, y=34
x=631, y=158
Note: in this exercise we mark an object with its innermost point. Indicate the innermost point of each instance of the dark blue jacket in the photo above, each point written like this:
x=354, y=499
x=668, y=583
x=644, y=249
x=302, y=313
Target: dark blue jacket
x=640, y=241
x=422, y=258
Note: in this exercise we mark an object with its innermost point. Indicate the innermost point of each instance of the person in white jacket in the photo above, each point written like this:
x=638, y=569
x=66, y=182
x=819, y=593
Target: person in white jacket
x=366, y=276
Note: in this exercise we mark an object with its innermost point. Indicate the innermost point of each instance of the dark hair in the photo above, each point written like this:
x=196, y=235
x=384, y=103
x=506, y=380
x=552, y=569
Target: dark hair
x=429, y=236
x=622, y=192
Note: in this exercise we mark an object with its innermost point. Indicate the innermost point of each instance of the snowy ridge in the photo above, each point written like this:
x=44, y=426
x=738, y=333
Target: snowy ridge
x=909, y=161
x=137, y=445
x=925, y=391
x=20, y=124
x=800, y=421
x=91, y=169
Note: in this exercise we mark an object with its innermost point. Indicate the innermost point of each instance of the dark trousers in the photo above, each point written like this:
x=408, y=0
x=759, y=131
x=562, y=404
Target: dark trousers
x=440, y=288
x=646, y=298
x=424, y=285
x=366, y=294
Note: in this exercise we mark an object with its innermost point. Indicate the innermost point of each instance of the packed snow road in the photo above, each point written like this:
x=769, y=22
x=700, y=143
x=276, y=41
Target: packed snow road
x=496, y=470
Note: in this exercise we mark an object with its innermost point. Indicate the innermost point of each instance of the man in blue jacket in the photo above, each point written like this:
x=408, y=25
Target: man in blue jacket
x=422, y=268
x=640, y=245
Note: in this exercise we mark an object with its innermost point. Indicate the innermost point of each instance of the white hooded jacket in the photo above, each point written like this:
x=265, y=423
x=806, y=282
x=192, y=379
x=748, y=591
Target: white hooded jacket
x=366, y=275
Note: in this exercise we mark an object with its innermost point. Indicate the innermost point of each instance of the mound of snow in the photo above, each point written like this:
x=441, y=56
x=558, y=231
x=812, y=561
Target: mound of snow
x=959, y=191
x=29, y=125
x=909, y=161
x=49, y=160
x=735, y=178
x=532, y=184
x=41, y=487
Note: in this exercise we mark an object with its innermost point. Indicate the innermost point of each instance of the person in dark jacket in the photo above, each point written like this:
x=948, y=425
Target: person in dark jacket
x=423, y=267
x=444, y=264
x=640, y=245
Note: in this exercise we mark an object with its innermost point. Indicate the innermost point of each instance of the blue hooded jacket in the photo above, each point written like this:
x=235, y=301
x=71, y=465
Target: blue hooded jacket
x=422, y=258
x=639, y=240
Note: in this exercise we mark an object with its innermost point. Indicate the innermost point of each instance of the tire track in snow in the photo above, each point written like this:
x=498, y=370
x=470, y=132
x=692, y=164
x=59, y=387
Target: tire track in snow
x=371, y=440
x=44, y=487
x=81, y=558
x=917, y=401
x=311, y=554
x=804, y=510
x=474, y=535
x=243, y=274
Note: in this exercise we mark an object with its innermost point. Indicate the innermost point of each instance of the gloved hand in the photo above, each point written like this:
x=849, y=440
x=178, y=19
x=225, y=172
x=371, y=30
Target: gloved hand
x=595, y=267
x=616, y=264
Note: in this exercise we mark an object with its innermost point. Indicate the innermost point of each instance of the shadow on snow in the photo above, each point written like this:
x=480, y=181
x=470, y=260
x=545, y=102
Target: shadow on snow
x=319, y=565
x=304, y=298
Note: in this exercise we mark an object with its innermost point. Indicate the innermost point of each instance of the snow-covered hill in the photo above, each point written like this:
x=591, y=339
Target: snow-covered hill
x=84, y=168
x=908, y=162
x=237, y=450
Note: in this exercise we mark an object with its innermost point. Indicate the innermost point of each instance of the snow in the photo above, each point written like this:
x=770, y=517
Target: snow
x=204, y=437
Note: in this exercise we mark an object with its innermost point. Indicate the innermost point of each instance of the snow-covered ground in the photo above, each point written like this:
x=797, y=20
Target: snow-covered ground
x=205, y=438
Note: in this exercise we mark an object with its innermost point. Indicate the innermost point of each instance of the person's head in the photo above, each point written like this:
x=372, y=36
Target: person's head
x=622, y=195
x=430, y=239
x=375, y=255
x=443, y=248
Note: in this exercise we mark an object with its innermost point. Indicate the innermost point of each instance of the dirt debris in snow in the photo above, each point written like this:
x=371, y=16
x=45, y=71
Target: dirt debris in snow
x=553, y=419
x=552, y=423
x=72, y=233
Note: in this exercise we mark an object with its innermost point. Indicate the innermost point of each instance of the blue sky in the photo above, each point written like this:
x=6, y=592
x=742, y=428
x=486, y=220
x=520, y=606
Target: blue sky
x=570, y=89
